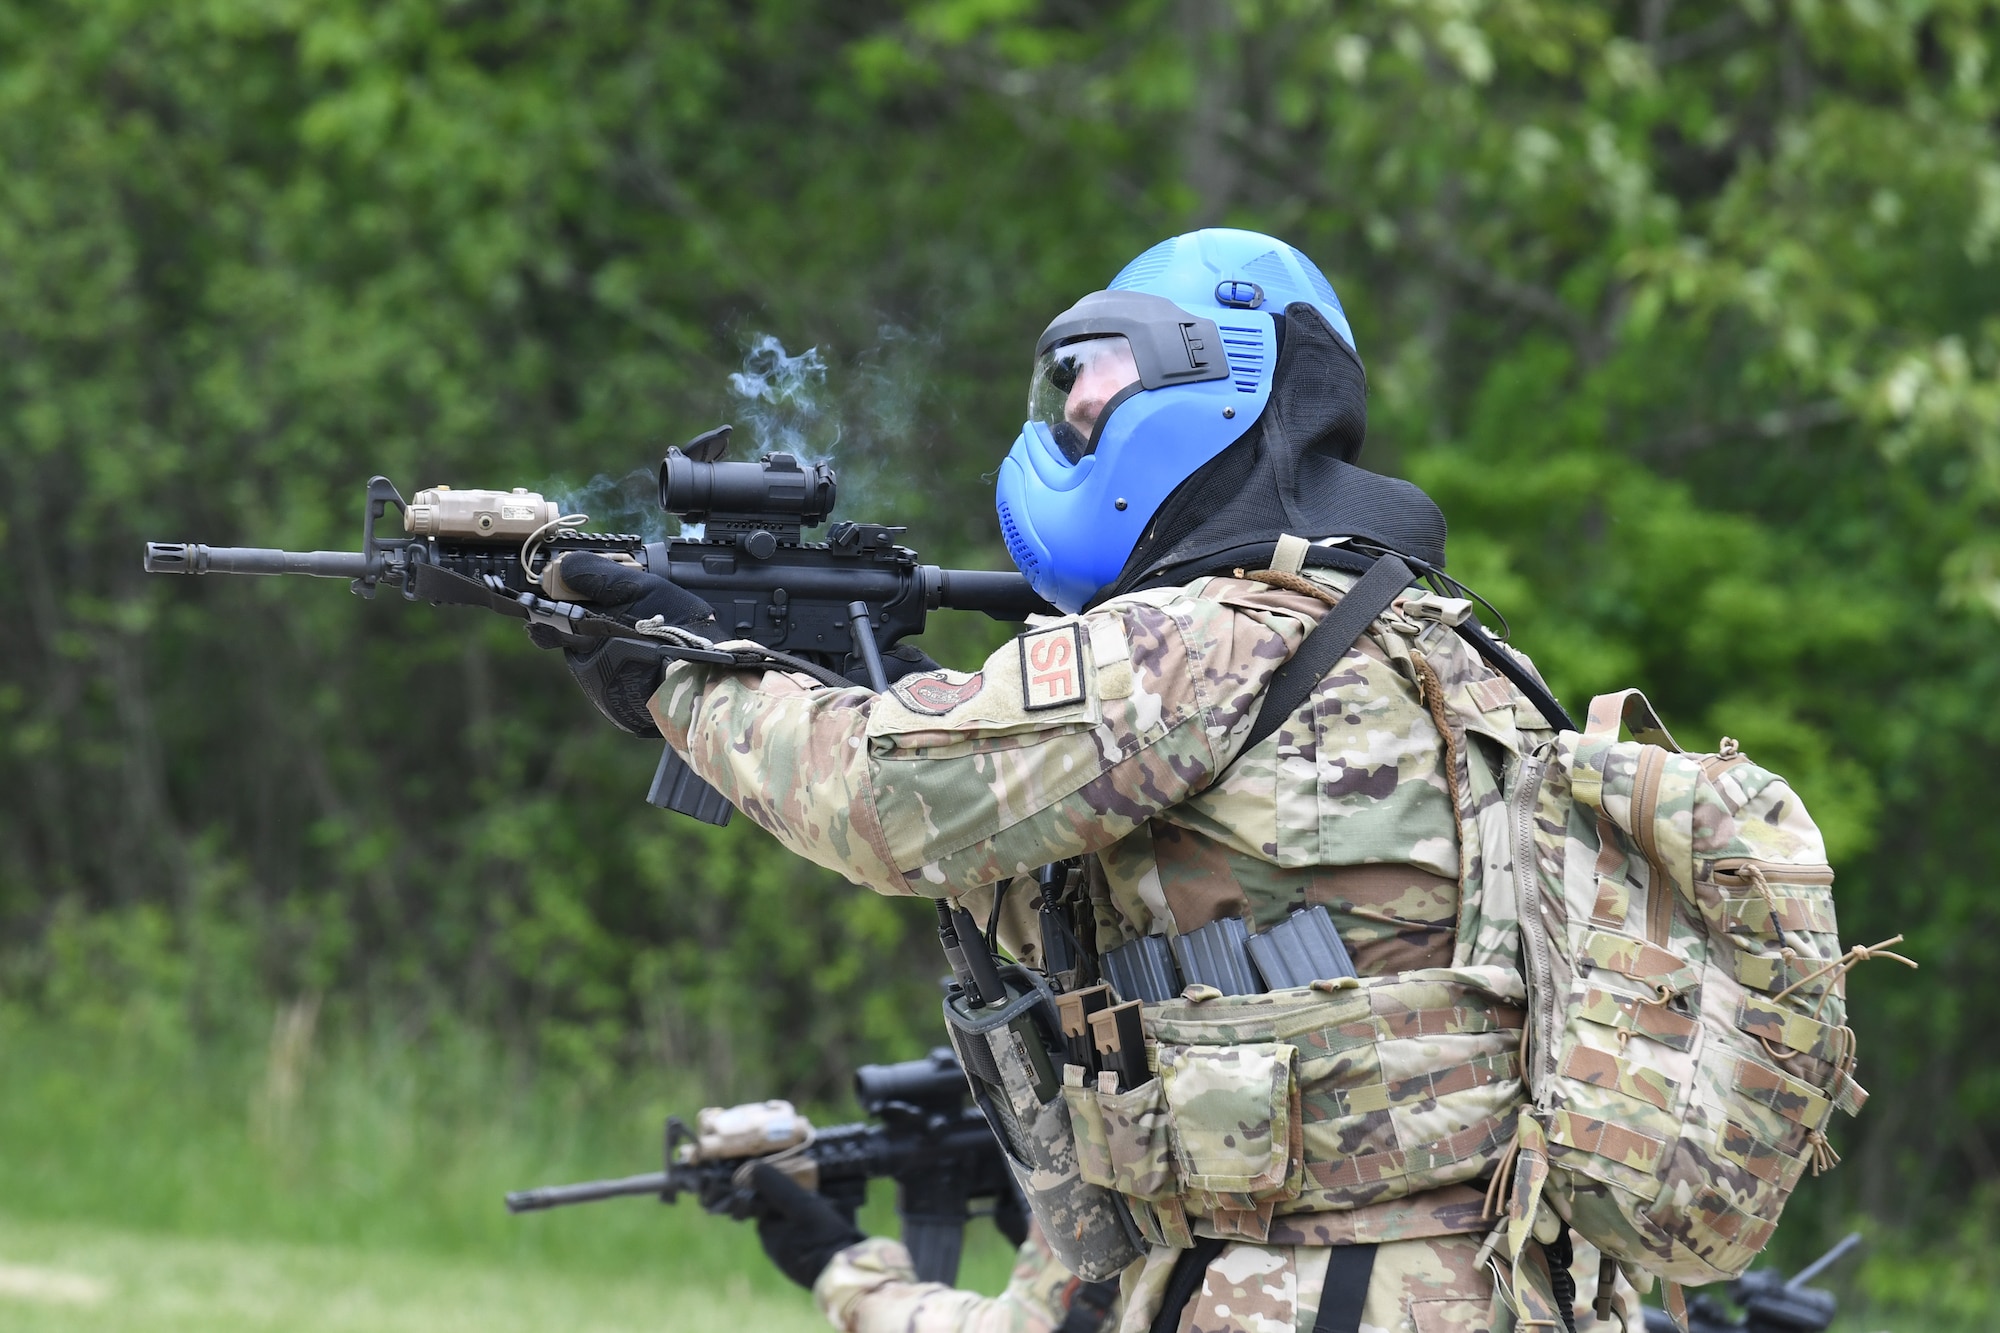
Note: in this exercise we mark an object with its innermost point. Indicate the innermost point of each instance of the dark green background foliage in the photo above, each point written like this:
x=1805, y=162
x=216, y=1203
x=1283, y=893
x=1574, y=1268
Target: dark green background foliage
x=1683, y=311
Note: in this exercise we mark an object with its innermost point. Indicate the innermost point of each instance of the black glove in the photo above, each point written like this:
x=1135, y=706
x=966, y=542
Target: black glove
x=618, y=675
x=1009, y=1215
x=902, y=660
x=622, y=590
x=1089, y=1307
x=800, y=1230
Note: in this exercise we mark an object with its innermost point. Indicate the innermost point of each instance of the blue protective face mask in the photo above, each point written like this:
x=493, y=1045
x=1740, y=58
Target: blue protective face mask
x=1070, y=527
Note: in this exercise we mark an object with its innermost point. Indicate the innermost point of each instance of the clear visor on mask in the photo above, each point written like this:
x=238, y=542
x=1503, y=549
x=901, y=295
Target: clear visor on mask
x=1076, y=385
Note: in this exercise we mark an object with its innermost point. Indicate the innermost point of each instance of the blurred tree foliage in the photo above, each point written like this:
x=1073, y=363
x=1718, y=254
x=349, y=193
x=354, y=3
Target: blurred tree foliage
x=1683, y=310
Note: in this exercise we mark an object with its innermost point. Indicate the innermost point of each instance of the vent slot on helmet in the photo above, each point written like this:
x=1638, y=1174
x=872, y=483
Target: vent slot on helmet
x=1145, y=268
x=1017, y=546
x=1270, y=270
x=1245, y=350
x=1320, y=284
x=1276, y=275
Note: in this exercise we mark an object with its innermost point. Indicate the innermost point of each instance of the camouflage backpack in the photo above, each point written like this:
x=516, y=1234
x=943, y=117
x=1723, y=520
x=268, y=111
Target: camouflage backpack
x=1687, y=1020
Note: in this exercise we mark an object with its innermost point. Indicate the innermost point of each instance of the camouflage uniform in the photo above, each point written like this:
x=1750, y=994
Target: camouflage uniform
x=1116, y=733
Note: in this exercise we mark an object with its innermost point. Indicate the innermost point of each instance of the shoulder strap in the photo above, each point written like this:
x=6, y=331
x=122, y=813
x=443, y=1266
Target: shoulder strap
x=1524, y=680
x=1339, y=630
x=1342, y=628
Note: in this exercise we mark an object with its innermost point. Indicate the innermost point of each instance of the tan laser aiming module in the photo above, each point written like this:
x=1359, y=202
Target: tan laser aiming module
x=514, y=515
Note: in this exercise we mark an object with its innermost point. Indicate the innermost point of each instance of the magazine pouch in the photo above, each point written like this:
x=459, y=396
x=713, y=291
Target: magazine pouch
x=1012, y=1052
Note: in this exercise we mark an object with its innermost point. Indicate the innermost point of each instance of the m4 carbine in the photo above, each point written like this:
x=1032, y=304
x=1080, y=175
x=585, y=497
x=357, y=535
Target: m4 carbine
x=828, y=608
x=940, y=1152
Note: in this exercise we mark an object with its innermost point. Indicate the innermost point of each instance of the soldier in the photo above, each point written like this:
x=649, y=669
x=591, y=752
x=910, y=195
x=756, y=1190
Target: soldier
x=1184, y=491
x=869, y=1285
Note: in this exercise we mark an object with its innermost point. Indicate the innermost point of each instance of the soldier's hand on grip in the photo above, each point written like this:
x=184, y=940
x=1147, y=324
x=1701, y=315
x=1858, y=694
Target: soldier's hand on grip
x=904, y=659
x=622, y=589
x=617, y=675
x=1010, y=1216
x=800, y=1230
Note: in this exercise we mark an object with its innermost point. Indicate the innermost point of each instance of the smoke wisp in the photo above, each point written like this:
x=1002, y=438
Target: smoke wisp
x=784, y=400
x=630, y=503
x=862, y=419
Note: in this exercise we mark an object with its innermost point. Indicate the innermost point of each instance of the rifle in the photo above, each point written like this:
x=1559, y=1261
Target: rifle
x=827, y=608
x=1769, y=1302
x=940, y=1152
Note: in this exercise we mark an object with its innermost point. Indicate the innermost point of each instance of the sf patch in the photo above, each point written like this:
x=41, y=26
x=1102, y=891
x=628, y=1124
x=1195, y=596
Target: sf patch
x=935, y=695
x=1052, y=666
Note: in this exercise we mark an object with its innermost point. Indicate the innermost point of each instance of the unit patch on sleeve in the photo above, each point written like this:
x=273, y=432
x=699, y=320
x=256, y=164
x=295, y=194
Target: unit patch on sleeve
x=1052, y=666
x=936, y=695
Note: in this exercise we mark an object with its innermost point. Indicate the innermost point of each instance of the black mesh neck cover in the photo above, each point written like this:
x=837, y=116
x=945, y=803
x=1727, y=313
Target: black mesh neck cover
x=1293, y=471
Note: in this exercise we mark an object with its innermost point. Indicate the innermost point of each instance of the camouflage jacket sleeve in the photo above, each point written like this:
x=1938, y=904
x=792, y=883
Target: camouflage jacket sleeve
x=872, y=1288
x=1066, y=740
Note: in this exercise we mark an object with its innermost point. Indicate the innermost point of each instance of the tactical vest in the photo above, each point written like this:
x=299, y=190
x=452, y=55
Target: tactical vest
x=1344, y=1097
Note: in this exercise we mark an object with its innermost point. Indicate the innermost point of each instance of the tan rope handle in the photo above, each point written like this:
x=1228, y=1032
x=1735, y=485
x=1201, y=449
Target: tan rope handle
x=1664, y=995
x=1430, y=693
x=1503, y=1178
x=1755, y=874
x=1297, y=583
x=1844, y=964
x=1824, y=1158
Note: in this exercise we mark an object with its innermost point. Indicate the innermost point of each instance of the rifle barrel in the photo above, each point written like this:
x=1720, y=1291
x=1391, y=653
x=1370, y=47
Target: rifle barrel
x=194, y=558
x=1004, y=596
x=556, y=1196
x=1825, y=1261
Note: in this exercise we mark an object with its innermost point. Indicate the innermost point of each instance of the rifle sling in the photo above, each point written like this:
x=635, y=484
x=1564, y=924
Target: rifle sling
x=1330, y=640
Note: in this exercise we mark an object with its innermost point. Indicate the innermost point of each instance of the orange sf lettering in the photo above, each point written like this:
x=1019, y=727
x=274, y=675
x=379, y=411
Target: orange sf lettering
x=1049, y=659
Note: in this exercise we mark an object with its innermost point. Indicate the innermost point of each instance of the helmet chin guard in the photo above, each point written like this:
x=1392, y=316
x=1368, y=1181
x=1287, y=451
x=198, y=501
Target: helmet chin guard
x=1195, y=319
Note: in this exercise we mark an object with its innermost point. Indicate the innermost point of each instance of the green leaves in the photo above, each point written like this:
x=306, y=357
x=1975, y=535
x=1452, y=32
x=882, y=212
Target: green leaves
x=1682, y=311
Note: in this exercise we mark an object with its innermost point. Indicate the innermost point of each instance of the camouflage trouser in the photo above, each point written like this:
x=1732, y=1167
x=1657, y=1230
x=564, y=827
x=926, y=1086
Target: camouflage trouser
x=1415, y=1286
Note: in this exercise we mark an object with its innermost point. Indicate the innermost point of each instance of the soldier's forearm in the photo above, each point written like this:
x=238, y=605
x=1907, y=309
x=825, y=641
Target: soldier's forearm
x=1062, y=743
x=872, y=1288
x=791, y=758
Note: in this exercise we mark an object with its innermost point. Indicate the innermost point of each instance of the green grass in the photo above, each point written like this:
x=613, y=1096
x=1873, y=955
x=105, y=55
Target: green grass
x=147, y=1184
x=76, y=1278
x=155, y=1185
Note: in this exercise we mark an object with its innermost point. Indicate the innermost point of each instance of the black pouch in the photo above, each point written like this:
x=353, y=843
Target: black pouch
x=1013, y=1053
